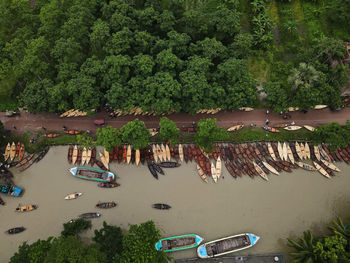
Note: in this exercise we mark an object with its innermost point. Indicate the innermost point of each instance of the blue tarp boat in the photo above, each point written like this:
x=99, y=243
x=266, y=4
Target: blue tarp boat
x=10, y=190
x=92, y=174
x=170, y=244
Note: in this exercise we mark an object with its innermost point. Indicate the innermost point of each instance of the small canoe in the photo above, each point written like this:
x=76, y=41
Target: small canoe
x=7, y=152
x=26, y=208
x=290, y=154
x=213, y=172
x=93, y=156
x=167, y=149
x=21, y=152
x=280, y=150
x=137, y=157
x=272, y=129
x=176, y=243
x=106, y=155
x=84, y=156
x=161, y=206
x=88, y=157
x=169, y=164
x=155, y=153
x=218, y=167
x=108, y=185
x=285, y=151
x=128, y=154
x=302, y=150
x=163, y=152
x=158, y=168
x=227, y=245
x=152, y=170
x=307, y=150
x=308, y=127
x=260, y=171
x=293, y=128
x=75, y=154
x=271, y=151
x=13, y=151
x=181, y=153
x=246, y=109
x=25, y=160
x=270, y=168
x=235, y=127
x=73, y=196
x=90, y=215
x=51, y=135
x=320, y=107
x=298, y=150
x=103, y=160
x=201, y=174
x=321, y=170
x=159, y=153
x=306, y=166
x=330, y=165
x=291, y=109
x=106, y=205
x=15, y=230
x=18, y=147
x=317, y=153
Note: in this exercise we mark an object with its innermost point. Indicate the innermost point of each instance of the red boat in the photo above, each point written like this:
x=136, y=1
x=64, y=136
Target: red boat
x=80, y=153
x=93, y=156
x=72, y=132
x=51, y=135
x=70, y=153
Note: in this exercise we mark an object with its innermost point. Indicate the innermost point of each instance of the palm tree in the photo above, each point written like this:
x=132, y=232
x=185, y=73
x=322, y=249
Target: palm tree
x=304, y=248
x=339, y=228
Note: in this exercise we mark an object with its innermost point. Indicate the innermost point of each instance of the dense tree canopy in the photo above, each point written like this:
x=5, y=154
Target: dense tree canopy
x=135, y=133
x=168, y=130
x=208, y=133
x=108, y=137
x=333, y=134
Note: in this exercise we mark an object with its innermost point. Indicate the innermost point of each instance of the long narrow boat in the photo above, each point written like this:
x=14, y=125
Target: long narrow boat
x=161, y=206
x=137, y=156
x=25, y=160
x=75, y=154
x=167, y=149
x=280, y=150
x=272, y=129
x=169, y=164
x=176, y=243
x=26, y=208
x=235, y=127
x=246, y=109
x=218, y=168
x=152, y=170
x=106, y=155
x=307, y=150
x=159, y=153
x=290, y=154
x=163, y=152
x=15, y=230
x=128, y=154
x=298, y=150
x=72, y=196
x=260, y=171
x=293, y=128
x=321, y=170
x=271, y=151
x=88, y=157
x=317, y=152
x=155, y=153
x=92, y=174
x=84, y=156
x=18, y=147
x=70, y=154
x=21, y=152
x=306, y=166
x=201, y=174
x=302, y=150
x=7, y=152
x=320, y=107
x=181, y=153
x=28, y=163
x=104, y=160
x=227, y=245
x=90, y=215
x=285, y=151
x=330, y=165
x=13, y=151
x=308, y=127
x=106, y=205
x=213, y=172
x=270, y=168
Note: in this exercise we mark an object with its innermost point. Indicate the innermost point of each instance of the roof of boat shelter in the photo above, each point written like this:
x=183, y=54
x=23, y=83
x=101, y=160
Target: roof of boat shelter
x=266, y=258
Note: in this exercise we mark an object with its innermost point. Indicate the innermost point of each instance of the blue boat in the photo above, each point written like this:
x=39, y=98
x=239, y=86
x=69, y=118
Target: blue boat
x=176, y=243
x=92, y=174
x=227, y=245
x=10, y=190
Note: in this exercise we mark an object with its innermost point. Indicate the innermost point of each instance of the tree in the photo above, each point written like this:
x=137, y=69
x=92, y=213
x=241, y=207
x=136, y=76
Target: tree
x=338, y=228
x=135, y=133
x=208, y=133
x=85, y=140
x=277, y=96
x=331, y=249
x=138, y=244
x=35, y=96
x=304, y=248
x=333, y=134
x=168, y=130
x=35, y=252
x=108, y=137
x=75, y=227
x=110, y=239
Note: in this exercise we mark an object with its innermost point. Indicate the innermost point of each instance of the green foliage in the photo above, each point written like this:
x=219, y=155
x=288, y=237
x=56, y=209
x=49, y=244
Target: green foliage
x=168, y=130
x=85, y=140
x=35, y=252
x=333, y=134
x=208, y=133
x=304, y=248
x=108, y=137
x=75, y=227
x=135, y=133
x=331, y=249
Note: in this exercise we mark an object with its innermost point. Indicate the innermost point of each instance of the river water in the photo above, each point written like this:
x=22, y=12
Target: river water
x=283, y=207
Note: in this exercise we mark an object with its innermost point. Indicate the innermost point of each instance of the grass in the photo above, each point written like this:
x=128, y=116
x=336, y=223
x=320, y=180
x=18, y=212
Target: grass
x=259, y=66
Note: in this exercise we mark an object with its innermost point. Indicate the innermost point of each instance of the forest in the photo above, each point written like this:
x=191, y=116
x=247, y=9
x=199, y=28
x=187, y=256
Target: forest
x=172, y=55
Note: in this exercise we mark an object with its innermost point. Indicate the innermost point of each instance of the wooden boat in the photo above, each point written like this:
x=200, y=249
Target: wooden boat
x=169, y=164
x=92, y=174
x=161, y=206
x=330, y=165
x=42, y=154
x=89, y=215
x=75, y=154
x=128, y=154
x=73, y=196
x=291, y=109
x=93, y=156
x=181, y=153
x=306, y=166
x=88, y=155
x=280, y=150
x=213, y=172
x=13, y=151
x=84, y=156
x=72, y=132
x=26, y=208
x=245, y=109
x=159, y=153
x=302, y=150
x=106, y=155
x=218, y=167
x=25, y=160
x=320, y=107
x=307, y=151
x=201, y=174
x=176, y=243
x=292, y=128
x=290, y=154
x=270, y=168
x=167, y=151
x=235, y=127
x=308, y=127
x=18, y=147
x=158, y=168
x=15, y=230
x=108, y=185
x=260, y=171
x=163, y=152
x=106, y=205
x=28, y=163
x=155, y=153
x=51, y=135
x=317, y=153
x=285, y=151
x=227, y=245
x=321, y=170
x=21, y=152
x=152, y=170
x=137, y=157
x=272, y=129
x=271, y=151
x=298, y=150
x=7, y=152
x=104, y=160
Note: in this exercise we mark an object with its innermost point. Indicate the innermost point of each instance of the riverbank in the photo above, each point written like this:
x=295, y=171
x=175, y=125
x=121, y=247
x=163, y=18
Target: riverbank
x=283, y=207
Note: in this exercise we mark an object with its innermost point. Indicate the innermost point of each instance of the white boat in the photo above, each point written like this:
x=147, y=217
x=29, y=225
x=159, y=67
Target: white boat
x=227, y=245
x=246, y=109
x=88, y=157
x=168, y=157
x=73, y=196
x=280, y=150
x=285, y=151
x=159, y=153
x=271, y=151
x=103, y=160
x=298, y=150
x=137, y=157
x=163, y=152
x=321, y=170
x=290, y=154
x=291, y=109
x=218, y=167
x=320, y=107
x=317, y=153
x=302, y=150
x=213, y=172
x=260, y=171
x=330, y=165
x=128, y=154
x=155, y=153
x=106, y=155
x=292, y=128
x=235, y=127
x=83, y=157
x=181, y=153
x=270, y=168
x=308, y=127
x=306, y=166
x=307, y=151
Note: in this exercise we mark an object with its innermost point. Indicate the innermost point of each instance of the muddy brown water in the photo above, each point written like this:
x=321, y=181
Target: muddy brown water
x=283, y=207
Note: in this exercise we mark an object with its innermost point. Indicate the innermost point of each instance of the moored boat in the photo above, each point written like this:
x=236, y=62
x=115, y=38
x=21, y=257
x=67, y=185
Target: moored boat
x=21, y=152
x=161, y=206
x=152, y=170
x=271, y=151
x=137, y=157
x=15, y=230
x=163, y=152
x=90, y=215
x=169, y=164
x=298, y=150
x=290, y=154
x=13, y=151
x=92, y=174
x=317, y=152
x=321, y=170
x=292, y=128
x=106, y=205
x=10, y=190
x=246, y=108
x=108, y=185
x=270, y=167
x=285, y=151
x=84, y=156
x=158, y=168
x=330, y=165
x=88, y=155
x=320, y=107
x=280, y=150
x=73, y=196
x=26, y=208
x=168, y=155
x=104, y=160
x=272, y=129
x=260, y=171
x=7, y=152
x=235, y=127
x=75, y=154
x=25, y=160
x=213, y=172
x=128, y=154
x=307, y=151
x=227, y=245
x=201, y=174
x=176, y=243
x=218, y=168
x=308, y=127
x=181, y=154
x=306, y=166
x=70, y=154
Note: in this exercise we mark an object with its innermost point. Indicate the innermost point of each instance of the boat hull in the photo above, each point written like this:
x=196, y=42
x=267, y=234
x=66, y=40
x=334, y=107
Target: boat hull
x=101, y=175
x=161, y=245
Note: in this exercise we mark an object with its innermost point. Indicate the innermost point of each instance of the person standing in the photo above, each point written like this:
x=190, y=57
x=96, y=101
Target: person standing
x=267, y=112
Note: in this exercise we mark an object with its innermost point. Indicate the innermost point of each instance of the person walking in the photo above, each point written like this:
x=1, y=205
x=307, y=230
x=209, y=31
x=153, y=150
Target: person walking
x=267, y=112
x=267, y=121
x=14, y=127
